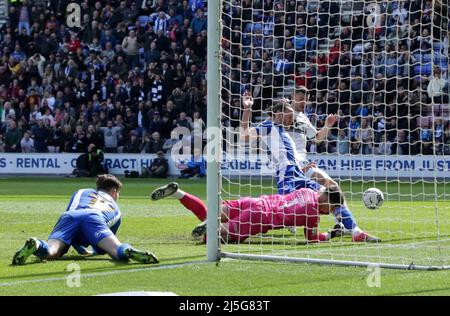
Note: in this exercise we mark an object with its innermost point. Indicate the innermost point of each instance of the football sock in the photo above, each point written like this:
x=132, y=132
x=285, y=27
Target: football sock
x=179, y=194
x=121, y=252
x=356, y=231
x=194, y=204
x=41, y=249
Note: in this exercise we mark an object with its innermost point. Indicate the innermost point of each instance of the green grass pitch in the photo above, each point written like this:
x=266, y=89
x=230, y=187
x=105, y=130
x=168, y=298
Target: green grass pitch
x=406, y=223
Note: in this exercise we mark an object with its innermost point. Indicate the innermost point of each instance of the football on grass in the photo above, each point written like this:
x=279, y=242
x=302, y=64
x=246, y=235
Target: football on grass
x=373, y=198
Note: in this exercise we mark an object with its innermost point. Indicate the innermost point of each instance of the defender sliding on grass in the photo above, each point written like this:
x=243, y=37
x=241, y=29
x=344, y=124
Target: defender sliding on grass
x=250, y=216
x=92, y=218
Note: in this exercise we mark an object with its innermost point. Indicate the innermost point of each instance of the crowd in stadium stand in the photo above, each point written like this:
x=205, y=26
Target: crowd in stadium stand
x=132, y=72
x=385, y=74
x=135, y=70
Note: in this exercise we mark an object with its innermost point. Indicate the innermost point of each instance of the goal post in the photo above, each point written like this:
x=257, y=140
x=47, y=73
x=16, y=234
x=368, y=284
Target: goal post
x=382, y=67
x=213, y=137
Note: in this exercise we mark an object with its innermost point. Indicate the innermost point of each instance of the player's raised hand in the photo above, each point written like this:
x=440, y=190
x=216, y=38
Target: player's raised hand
x=247, y=100
x=331, y=120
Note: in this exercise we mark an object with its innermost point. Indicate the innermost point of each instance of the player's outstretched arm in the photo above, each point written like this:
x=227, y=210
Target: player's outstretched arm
x=247, y=133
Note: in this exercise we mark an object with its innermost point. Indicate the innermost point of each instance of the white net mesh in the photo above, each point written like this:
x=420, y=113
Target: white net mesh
x=382, y=68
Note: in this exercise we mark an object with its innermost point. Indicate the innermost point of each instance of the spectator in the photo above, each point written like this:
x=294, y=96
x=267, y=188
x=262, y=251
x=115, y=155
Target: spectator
x=184, y=121
x=7, y=112
x=36, y=63
x=78, y=142
x=354, y=126
x=166, y=127
x=194, y=5
x=439, y=131
x=152, y=145
x=366, y=136
x=27, y=143
x=197, y=124
x=401, y=145
x=446, y=145
x=159, y=167
x=13, y=137
x=94, y=137
x=112, y=135
x=131, y=45
x=157, y=91
x=436, y=87
x=161, y=21
x=152, y=55
x=384, y=147
x=300, y=39
x=2, y=144
x=355, y=147
x=343, y=142
x=170, y=143
x=196, y=167
x=156, y=123
x=199, y=22
x=90, y=164
x=132, y=145
x=24, y=17
x=18, y=54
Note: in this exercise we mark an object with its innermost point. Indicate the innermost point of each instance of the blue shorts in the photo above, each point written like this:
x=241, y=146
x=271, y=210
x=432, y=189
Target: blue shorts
x=81, y=227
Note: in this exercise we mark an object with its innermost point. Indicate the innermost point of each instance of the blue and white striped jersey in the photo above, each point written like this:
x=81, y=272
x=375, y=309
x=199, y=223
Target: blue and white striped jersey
x=281, y=148
x=98, y=201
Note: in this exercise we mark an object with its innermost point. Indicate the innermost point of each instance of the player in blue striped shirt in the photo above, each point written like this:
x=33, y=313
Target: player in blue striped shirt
x=92, y=218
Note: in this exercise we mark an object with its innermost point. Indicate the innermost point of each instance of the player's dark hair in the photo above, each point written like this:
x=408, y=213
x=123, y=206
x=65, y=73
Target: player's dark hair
x=277, y=107
x=108, y=182
x=335, y=196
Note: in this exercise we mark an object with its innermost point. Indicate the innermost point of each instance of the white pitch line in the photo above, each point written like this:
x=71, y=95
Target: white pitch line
x=99, y=274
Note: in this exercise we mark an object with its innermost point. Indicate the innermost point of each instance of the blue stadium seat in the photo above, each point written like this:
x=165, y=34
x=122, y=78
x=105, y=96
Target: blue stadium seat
x=143, y=20
x=423, y=69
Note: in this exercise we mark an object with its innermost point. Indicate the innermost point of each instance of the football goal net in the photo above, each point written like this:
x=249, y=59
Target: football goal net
x=358, y=88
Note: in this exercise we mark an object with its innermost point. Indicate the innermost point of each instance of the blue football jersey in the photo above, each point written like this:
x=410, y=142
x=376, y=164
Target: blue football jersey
x=96, y=200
